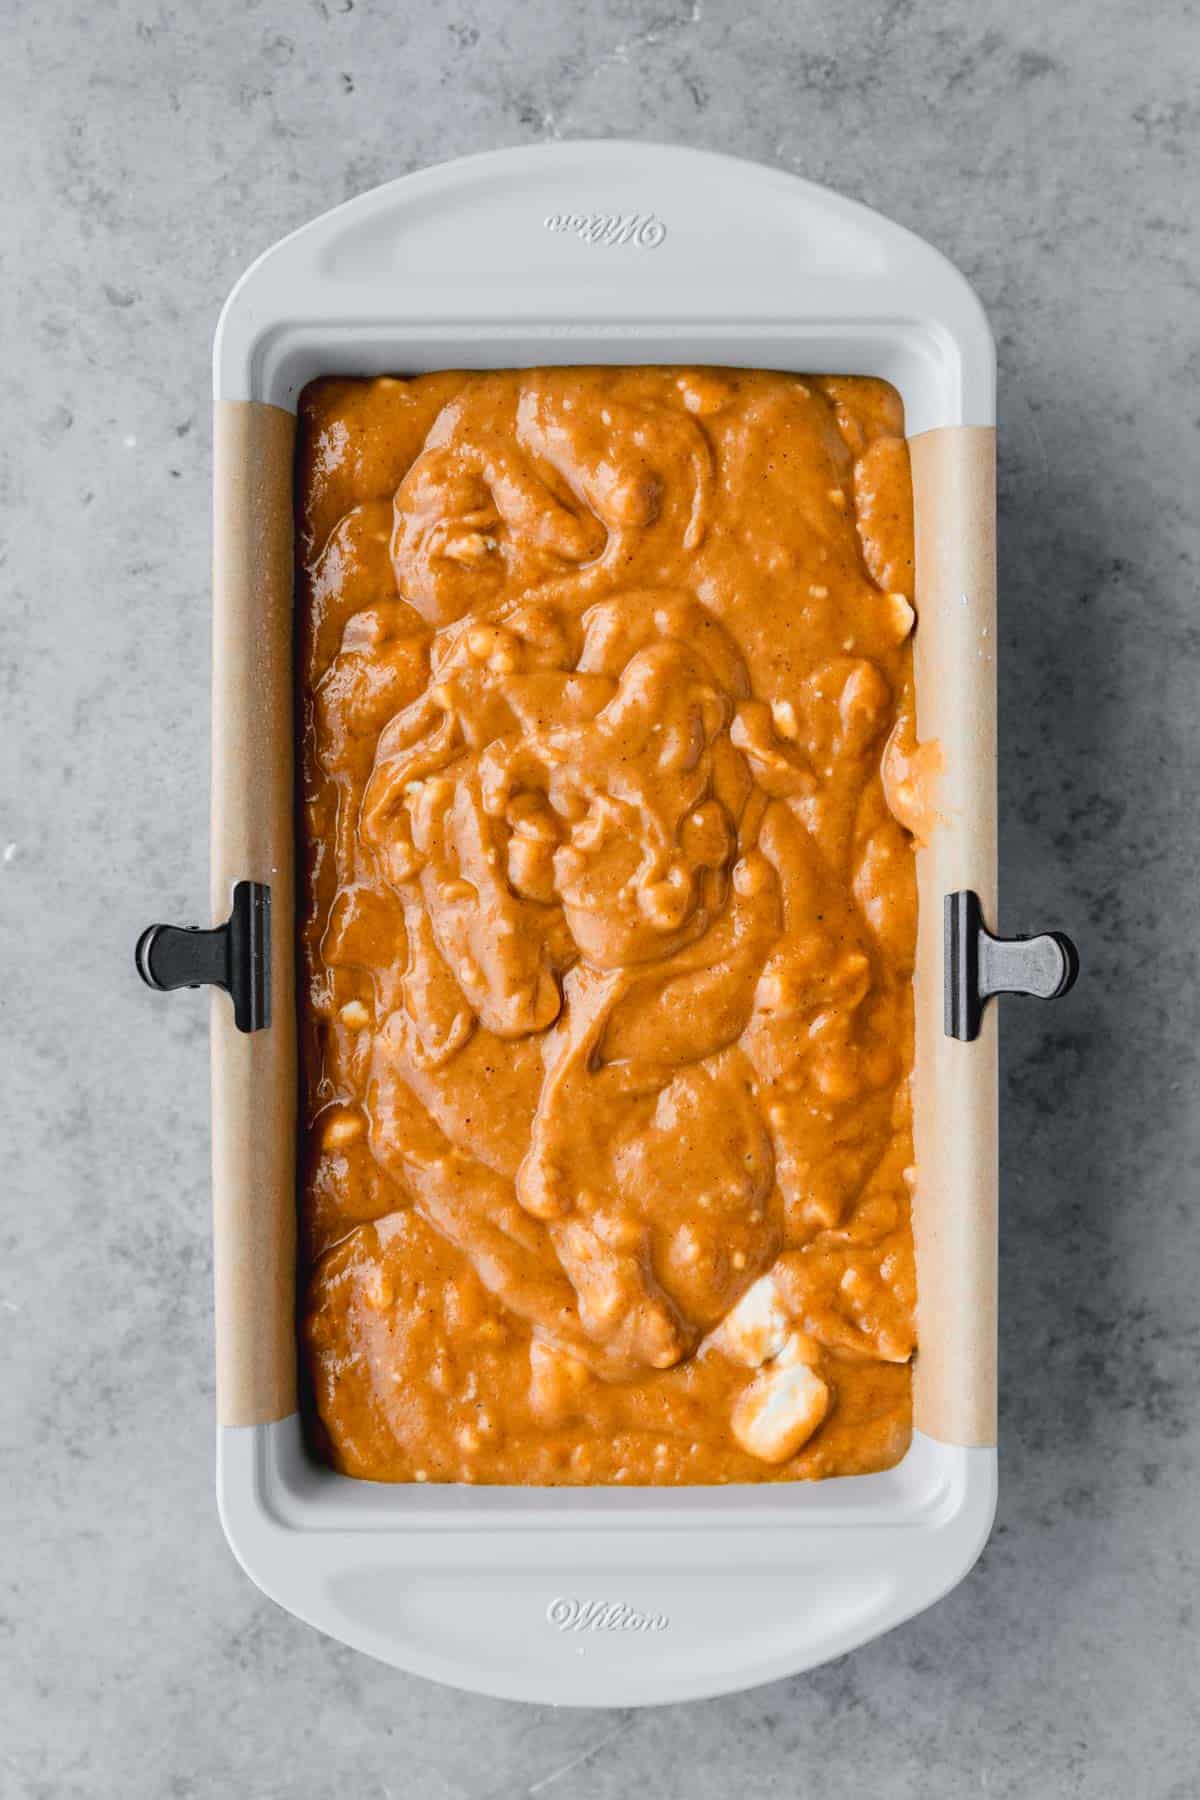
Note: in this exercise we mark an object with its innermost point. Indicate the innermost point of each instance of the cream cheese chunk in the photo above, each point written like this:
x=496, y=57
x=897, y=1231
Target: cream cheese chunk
x=780, y=1411
x=756, y=1329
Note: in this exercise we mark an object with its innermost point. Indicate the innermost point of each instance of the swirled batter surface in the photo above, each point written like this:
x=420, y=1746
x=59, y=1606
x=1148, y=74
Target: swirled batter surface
x=607, y=921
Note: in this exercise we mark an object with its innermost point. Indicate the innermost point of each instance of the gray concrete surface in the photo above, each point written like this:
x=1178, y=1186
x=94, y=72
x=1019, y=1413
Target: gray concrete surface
x=149, y=151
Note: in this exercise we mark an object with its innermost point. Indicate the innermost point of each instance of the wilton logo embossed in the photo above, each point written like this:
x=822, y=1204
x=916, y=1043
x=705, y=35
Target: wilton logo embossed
x=602, y=1615
x=640, y=229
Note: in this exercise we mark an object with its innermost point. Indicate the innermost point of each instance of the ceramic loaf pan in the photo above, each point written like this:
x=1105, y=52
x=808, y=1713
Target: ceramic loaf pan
x=602, y=253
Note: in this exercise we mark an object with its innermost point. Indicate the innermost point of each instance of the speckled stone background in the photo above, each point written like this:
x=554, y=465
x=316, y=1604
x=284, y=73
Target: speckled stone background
x=149, y=151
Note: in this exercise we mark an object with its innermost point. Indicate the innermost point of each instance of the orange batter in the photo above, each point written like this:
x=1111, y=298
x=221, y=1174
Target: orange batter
x=606, y=924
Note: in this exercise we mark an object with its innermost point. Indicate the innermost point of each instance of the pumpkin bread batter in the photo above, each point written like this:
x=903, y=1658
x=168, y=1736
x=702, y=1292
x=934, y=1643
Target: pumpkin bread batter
x=607, y=919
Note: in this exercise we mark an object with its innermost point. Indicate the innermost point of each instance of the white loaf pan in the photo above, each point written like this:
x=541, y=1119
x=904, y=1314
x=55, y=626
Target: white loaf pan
x=602, y=253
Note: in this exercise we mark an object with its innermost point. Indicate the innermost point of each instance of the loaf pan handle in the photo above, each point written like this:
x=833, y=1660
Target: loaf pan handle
x=235, y=956
x=979, y=965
